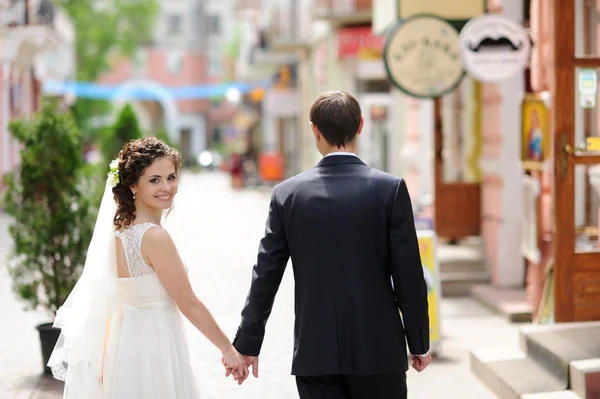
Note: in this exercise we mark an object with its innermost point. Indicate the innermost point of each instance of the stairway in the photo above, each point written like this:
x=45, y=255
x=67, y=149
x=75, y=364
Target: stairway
x=461, y=267
x=554, y=361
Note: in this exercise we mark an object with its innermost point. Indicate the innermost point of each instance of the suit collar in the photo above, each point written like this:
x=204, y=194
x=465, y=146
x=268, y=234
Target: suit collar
x=340, y=160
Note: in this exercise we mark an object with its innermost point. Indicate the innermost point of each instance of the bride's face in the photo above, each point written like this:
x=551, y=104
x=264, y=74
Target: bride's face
x=157, y=186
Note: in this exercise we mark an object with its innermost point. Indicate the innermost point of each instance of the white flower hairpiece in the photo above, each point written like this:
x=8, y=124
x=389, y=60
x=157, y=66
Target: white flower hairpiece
x=113, y=174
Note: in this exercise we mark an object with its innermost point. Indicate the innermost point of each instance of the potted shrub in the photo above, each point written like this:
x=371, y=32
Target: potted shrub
x=52, y=221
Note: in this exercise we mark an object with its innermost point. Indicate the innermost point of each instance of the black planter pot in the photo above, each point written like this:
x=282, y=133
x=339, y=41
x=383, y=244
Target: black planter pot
x=48, y=337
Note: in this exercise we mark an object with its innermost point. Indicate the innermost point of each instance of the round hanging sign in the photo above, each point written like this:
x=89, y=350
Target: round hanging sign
x=422, y=56
x=494, y=48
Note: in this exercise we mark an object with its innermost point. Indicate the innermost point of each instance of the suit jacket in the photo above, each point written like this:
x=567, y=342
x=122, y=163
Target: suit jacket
x=349, y=230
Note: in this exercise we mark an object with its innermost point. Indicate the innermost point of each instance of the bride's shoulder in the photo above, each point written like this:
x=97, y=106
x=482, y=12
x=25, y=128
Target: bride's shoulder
x=157, y=237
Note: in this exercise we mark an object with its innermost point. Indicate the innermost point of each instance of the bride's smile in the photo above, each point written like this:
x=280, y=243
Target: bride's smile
x=157, y=186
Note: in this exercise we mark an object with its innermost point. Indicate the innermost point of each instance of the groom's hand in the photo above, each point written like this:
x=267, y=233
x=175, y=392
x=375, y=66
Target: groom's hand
x=420, y=363
x=252, y=361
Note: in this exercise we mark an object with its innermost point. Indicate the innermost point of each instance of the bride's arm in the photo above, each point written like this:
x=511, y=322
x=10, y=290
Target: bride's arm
x=159, y=249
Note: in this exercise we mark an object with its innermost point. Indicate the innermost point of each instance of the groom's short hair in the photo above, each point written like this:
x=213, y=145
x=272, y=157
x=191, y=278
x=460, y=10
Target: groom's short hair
x=337, y=116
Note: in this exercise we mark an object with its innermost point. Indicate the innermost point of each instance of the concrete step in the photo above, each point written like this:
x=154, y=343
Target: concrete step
x=585, y=378
x=461, y=267
x=460, y=283
x=554, y=361
x=553, y=395
x=510, y=374
x=555, y=348
x=457, y=258
x=511, y=303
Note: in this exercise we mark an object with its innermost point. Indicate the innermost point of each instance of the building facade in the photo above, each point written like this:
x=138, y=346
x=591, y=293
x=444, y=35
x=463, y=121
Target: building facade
x=38, y=44
x=177, y=56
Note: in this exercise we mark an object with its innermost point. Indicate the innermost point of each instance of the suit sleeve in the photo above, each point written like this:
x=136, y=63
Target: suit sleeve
x=273, y=255
x=407, y=272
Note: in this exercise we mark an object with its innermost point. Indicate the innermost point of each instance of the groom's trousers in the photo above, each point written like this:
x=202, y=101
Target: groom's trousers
x=382, y=386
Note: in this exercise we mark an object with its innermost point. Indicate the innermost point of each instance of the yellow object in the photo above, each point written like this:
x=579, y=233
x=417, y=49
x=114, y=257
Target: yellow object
x=257, y=95
x=592, y=144
x=427, y=247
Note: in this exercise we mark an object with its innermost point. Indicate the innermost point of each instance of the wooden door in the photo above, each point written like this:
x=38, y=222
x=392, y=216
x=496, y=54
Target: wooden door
x=577, y=247
x=457, y=198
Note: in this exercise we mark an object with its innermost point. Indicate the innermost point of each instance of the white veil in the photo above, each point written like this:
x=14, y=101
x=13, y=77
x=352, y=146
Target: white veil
x=85, y=317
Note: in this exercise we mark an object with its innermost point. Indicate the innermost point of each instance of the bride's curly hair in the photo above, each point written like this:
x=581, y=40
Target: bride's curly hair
x=133, y=159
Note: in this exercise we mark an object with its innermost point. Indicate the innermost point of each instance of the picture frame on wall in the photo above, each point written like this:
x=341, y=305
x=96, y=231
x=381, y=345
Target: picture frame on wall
x=535, y=130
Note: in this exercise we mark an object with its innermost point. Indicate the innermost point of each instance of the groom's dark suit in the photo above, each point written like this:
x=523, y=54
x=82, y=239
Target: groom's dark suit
x=349, y=230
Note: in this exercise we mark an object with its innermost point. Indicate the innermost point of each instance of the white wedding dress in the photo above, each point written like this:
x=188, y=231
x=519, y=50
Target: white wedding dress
x=147, y=355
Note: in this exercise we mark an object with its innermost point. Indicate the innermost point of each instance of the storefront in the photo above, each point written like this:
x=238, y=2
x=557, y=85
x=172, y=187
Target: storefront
x=466, y=127
x=566, y=66
x=518, y=160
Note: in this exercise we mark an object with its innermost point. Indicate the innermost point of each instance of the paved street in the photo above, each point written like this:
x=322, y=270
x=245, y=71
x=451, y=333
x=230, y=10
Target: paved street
x=217, y=231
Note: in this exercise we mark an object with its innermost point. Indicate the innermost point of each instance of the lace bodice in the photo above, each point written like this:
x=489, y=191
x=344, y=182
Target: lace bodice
x=132, y=244
x=142, y=291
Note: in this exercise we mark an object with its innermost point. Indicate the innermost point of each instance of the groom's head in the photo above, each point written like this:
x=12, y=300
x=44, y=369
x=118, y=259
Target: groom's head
x=336, y=121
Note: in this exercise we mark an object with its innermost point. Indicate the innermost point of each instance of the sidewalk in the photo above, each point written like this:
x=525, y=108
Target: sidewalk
x=217, y=231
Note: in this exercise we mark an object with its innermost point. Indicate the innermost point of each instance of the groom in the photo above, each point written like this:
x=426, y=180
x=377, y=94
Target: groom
x=350, y=232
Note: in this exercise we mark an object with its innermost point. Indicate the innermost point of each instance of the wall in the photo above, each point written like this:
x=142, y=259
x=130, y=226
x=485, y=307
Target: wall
x=542, y=80
x=502, y=200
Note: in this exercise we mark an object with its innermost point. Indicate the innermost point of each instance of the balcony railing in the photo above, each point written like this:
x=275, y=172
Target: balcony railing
x=14, y=13
x=343, y=12
x=37, y=24
x=289, y=27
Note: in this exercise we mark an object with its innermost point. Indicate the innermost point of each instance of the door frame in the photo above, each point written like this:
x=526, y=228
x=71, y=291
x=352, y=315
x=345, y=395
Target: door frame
x=571, y=268
x=455, y=202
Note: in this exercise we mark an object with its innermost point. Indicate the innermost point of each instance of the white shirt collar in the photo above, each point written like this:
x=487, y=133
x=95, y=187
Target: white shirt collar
x=341, y=153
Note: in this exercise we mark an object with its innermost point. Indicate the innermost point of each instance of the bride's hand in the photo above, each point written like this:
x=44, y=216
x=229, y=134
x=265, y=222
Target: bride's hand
x=234, y=364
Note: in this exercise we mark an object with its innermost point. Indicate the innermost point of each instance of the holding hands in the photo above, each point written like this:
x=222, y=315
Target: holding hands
x=240, y=372
x=234, y=364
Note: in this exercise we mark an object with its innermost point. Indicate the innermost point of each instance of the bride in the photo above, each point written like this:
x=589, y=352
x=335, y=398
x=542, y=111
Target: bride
x=122, y=335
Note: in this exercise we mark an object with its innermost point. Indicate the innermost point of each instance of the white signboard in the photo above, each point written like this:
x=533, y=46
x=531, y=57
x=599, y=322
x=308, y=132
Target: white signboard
x=588, y=87
x=422, y=57
x=494, y=48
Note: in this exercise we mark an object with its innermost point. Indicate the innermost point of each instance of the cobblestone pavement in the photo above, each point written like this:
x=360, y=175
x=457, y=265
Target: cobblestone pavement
x=217, y=231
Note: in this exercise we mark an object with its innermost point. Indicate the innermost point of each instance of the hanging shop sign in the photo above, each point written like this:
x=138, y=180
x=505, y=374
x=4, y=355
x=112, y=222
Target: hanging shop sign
x=461, y=10
x=358, y=42
x=494, y=48
x=422, y=56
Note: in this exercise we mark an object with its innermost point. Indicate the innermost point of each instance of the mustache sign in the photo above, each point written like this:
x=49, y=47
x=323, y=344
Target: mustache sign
x=500, y=44
x=494, y=48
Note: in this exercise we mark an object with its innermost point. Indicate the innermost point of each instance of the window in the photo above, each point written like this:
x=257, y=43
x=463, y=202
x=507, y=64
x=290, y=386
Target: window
x=139, y=61
x=174, y=24
x=174, y=62
x=214, y=24
x=214, y=65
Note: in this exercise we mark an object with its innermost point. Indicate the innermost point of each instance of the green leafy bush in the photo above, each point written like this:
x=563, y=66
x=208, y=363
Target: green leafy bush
x=52, y=221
